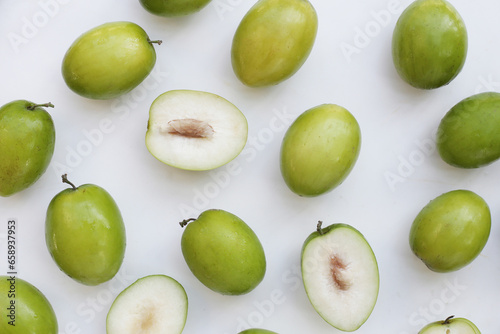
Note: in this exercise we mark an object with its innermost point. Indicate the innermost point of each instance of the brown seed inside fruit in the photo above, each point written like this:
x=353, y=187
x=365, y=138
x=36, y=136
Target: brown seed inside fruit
x=337, y=266
x=190, y=127
x=147, y=321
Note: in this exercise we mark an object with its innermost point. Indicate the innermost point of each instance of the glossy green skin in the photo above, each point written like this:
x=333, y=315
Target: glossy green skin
x=319, y=150
x=439, y=327
x=27, y=139
x=223, y=253
x=33, y=312
x=108, y=61
x=170, y=8
x=85, y=234
x=257, y=331
x=468, y=135
x=451, y=230
x=273, y=41
x=429, y=44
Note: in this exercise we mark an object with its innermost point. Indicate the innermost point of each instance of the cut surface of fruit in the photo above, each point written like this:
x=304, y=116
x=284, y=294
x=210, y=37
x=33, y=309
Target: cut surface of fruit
x=153, y=304
x=340, y=275
x=195, y=130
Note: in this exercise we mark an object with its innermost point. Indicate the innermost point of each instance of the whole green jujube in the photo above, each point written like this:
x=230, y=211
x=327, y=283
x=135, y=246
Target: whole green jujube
x=429, y=44
x=27, y=139
x=85, y=233
x=468, y=135
x=223, y=252
x=109, y=60
x=273, y=40
x=451, y=230
x=319, y=150
x=25, y=309
x=170, y=8
x=257, y=331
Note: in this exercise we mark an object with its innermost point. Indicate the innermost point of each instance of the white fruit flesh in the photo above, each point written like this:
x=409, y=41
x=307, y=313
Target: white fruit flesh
x=195, y=130
x=341, y=277
x=154, y=304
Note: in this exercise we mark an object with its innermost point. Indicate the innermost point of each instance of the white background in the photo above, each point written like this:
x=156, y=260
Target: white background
x=398, y=170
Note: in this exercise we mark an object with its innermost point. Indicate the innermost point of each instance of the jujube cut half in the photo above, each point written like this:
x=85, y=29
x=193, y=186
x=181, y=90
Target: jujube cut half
x=429, y=44
x=273, y=40
x=319, y=150
x=340, y=275
x=152, y=304
x=468, y=135
x=195, y=130
x=109, y=60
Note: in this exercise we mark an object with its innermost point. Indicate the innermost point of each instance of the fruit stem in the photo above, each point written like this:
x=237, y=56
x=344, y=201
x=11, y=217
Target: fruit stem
x=318, y=227
x=33, y=106
x=186, y=221
x=447, y=320
x=158, y=41
x=65, y=180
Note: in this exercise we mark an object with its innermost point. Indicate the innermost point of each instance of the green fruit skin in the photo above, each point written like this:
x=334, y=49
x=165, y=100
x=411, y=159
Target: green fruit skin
x=108, y=61
x=171, y=8
x=85, y=234
x=33, y=312
x=27, y=139
x=468, y=135
x=273, y=41
x=439, y=326
x=451, y=230
x=319, y=150
x=429, y=44
x=257, y=331
x=224, y=253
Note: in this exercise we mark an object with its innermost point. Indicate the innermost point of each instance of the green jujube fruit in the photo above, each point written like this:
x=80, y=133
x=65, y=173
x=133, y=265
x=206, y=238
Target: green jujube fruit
x=429, y=44
x=25, y=309
x=319, y=150
x=85, y=234
x=27, y=139
x=273, y=41
x=223, y=252
x=469, y=134
x=257, y=331
x=109, y=60
x=170, y=8
x=451, y=230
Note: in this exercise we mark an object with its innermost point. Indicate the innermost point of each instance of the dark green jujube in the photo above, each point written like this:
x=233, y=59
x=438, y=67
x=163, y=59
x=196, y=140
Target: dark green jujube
x=27, y=139
x=171, y=8
x=25, y=309
x=469, y=134
x=451, y=230
x=85, y=234
x=223, y=252
x=429, y=44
